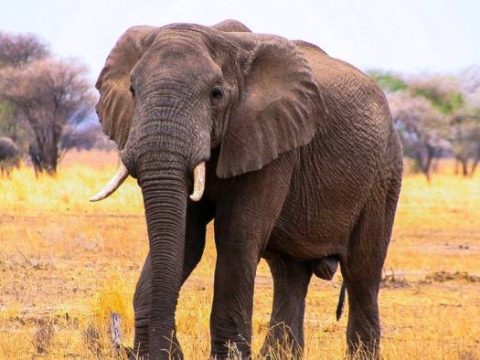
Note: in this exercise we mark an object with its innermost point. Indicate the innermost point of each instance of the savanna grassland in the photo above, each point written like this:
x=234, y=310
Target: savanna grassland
x=66, y=264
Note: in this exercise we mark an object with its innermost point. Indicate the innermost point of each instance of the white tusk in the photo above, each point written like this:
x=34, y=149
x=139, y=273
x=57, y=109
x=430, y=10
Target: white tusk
x=113, y=184
x=198, y=181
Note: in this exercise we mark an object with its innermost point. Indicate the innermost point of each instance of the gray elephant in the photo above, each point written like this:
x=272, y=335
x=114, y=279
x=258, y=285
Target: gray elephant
x=292, y=152
x=9, y=155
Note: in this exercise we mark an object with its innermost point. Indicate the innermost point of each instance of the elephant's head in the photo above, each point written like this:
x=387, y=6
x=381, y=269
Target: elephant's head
x=169, y=95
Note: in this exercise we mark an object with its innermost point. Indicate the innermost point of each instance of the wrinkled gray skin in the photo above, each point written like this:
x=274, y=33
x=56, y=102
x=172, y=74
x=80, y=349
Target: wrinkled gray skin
x=303, y=169
x=9, y=155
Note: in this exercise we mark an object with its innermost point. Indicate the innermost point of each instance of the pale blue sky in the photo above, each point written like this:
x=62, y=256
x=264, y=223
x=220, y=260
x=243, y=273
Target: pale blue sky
x=408, y=36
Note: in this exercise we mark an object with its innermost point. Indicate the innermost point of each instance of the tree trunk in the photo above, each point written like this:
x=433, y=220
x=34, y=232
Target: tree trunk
x=427, y=165
x=44, y=154
x=474, y=166
x=464, y=164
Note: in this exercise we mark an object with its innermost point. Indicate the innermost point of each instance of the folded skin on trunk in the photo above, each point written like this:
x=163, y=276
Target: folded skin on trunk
x=165, y=198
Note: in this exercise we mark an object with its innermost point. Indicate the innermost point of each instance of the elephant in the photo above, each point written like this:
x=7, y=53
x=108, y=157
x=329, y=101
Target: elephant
x=9, y=155
x=290, y=151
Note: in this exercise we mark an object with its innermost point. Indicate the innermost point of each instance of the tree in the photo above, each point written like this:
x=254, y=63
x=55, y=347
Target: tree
x=388, y=82
x=17, y=50
x=436, y=116
x=48, y=94
x=421, y=127
x=21, y=49
x=444, y=93
x=470, y=86
x=465, y=140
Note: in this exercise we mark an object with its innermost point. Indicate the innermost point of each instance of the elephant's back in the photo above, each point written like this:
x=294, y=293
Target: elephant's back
x=8, y=148
x=352, y=101
x=356, y=128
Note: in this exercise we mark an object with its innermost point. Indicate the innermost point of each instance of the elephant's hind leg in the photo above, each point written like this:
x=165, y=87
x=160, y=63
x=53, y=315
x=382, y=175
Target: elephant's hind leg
x=290, y=282
x=362, y=269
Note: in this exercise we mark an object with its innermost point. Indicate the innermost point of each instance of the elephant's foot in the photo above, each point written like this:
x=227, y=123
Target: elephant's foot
x=140, y=348
x=325, y=267
x=238, y=348
x=281, y=343
x=363, y=351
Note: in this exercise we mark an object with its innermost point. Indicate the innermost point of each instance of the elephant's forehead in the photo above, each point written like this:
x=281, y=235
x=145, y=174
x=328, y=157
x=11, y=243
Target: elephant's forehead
x=176, y=58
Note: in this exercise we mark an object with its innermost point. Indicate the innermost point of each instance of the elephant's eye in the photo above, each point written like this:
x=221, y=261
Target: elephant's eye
x=132, y=90
x=217, y=93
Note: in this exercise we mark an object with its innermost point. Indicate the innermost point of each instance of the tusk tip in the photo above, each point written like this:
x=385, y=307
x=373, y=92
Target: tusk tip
x=96, y=198
x=195, y=197
x=112, y=185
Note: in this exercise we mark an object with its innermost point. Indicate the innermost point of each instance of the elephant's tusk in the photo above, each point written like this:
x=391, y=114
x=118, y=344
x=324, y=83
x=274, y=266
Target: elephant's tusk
x=198, y=181
x=113, y=184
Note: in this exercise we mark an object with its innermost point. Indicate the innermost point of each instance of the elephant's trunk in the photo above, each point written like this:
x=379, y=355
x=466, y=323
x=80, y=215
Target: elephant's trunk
x=163, y=154
x=165, y=197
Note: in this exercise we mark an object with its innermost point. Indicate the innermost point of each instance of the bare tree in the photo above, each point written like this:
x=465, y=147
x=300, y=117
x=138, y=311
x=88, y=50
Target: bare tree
x=21, y=49
x=48, y=94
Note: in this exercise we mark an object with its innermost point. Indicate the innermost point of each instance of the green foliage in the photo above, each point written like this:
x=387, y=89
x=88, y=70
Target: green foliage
x=6, y=115
x=11, y=126
x=387, y=81
x=445, y=103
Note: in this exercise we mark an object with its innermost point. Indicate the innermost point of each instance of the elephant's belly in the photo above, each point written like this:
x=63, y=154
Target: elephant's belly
x=307, y=243
x=309, y=231
x=327, y=192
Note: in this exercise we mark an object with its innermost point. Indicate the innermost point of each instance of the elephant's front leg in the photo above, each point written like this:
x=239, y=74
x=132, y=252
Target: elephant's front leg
x=197, y=219
x=244, y=220
x=230, y=322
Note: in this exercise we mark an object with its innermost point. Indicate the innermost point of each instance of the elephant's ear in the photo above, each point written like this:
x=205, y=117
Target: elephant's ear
x=115, y=106
x=279, y=107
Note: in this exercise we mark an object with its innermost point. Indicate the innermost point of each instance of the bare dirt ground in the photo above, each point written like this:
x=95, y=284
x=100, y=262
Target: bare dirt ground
x=66, y=264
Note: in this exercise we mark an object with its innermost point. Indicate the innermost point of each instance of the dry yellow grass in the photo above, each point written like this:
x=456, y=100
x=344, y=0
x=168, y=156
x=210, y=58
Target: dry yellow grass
x=65, y=264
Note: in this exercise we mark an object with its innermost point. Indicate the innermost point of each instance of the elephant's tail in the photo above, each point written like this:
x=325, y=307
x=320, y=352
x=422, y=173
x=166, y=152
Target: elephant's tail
x=341, y=301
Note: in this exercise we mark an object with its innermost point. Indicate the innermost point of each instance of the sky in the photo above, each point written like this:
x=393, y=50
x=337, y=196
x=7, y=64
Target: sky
x=407, y=36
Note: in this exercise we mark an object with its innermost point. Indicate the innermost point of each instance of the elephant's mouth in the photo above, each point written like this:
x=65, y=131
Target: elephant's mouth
x=122, y=174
